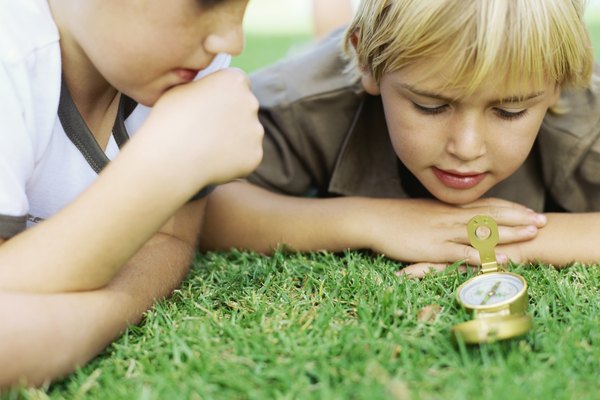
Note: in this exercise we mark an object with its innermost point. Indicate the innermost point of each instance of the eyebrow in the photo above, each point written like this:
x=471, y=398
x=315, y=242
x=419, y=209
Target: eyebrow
x=434, y=95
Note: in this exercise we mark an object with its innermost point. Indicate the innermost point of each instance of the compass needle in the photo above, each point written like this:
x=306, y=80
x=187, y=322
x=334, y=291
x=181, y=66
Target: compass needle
x=491, y=293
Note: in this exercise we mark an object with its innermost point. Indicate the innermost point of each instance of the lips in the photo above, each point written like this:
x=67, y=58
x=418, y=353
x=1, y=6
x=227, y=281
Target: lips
x=458, y=180
x=186, y=75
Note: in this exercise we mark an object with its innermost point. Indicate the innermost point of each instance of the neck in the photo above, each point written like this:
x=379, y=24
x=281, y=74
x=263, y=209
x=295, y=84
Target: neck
x=90, y=91
x=95, y=98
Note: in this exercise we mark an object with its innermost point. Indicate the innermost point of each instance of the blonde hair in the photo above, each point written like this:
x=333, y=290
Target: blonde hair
x=510, y=40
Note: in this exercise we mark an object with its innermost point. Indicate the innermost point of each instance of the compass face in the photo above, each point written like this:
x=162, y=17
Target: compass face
x=491, y=289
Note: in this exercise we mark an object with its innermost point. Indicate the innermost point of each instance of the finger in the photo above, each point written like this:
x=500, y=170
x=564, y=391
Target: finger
x=241, y=73
x=470, y=256
x=508, y=215
x=419, y=270
x=512, y=252
x=495, y=202
x=516, y=234
x=506, y=235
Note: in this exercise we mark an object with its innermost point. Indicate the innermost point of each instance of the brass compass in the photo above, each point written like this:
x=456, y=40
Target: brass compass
x=497, y=299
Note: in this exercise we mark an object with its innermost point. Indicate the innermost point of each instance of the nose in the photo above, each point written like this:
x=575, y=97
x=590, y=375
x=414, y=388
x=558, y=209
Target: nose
x=467, y=138
x=226, y=40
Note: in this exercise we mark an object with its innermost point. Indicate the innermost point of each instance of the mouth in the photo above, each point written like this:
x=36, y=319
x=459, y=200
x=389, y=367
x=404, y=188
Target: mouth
x=186, y=75
x=458, y=180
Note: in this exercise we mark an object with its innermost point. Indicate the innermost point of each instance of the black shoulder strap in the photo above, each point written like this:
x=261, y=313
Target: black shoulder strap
x=80, y=135
x=126, y=106
x=78, y=132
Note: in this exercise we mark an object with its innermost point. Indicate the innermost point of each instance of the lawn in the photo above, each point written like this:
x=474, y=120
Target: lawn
x=340, y=326
x=263, y=49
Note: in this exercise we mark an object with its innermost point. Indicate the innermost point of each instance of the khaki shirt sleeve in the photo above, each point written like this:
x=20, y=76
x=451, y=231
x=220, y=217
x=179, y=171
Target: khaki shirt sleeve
x=307, y=104
x=284, y=167
x=570, y=150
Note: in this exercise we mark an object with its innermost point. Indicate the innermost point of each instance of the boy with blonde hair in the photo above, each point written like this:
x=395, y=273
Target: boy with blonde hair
x=94, y=226
x=443, y=110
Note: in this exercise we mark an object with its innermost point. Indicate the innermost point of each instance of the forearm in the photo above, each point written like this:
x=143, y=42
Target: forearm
x=45, y=336
x=83, y=246
x=567, y=237
x=240, y=215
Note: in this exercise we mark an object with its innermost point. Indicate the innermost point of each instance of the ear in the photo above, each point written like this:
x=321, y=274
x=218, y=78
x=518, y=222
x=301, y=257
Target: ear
x=555, y=96
x=368, y=82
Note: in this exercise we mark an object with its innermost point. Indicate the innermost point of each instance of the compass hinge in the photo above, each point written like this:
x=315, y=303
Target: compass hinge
x=491, y=266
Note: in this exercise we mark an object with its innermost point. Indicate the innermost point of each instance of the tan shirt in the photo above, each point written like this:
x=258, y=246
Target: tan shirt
x=324, y=136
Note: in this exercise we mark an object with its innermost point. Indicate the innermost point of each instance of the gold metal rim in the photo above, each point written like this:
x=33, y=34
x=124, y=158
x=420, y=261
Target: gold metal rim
x=496, y=306
x=492, y=329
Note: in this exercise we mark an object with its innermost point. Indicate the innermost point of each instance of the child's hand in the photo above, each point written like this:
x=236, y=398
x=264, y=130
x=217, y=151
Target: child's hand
x=207, y=131
x=419, y=270
x=431, y=233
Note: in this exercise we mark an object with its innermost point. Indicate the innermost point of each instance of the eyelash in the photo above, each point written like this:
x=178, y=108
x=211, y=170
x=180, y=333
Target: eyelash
x=510, y=115
x=430, y=110
x=500, y=112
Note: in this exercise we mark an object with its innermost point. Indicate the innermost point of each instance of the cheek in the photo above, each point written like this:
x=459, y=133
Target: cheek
x=513, y=144
x=131, y=60
x=411, y=137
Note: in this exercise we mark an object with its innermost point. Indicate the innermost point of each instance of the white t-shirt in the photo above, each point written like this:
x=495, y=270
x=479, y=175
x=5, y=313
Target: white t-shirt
x=41, y=170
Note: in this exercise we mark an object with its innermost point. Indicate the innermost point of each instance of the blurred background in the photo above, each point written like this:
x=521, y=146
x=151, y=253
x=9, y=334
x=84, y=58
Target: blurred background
x=275, y=27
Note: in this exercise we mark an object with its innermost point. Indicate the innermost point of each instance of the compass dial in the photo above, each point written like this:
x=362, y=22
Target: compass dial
x=491, y=289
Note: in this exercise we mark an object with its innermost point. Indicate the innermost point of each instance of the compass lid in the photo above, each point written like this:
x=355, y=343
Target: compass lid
x=492, y=329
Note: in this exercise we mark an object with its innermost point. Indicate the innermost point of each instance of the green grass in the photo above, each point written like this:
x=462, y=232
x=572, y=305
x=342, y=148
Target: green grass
x=263, y=49
x=595, y=30
x=326, y=326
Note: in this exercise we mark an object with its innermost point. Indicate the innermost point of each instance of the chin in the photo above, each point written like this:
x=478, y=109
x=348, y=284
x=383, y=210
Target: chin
x=146, y=100
x=146, y=95
x=457, y=197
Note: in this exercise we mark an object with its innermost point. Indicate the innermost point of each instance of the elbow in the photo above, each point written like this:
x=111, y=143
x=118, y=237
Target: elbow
x=56, y=284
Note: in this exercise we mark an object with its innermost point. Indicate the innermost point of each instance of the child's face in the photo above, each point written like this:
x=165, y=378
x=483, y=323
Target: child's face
x=144, y=47
x=459, y=149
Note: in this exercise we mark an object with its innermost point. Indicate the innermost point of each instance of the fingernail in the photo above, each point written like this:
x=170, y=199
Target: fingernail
x=502, y=258
x=541, y=219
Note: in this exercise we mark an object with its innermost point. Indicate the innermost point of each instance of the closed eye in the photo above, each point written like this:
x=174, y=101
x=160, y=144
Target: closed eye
x=510, y=115
x=430, y=110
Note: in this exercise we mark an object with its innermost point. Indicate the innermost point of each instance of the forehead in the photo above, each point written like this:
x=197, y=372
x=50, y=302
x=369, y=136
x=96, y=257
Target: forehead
x=434, y=77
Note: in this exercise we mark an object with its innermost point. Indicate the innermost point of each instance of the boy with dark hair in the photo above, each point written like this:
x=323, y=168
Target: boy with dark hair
x=94, y=226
